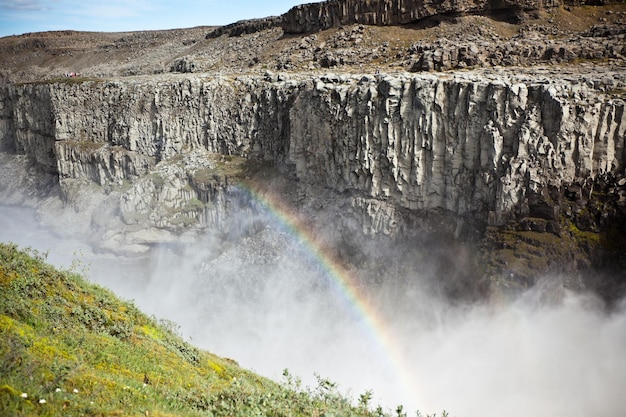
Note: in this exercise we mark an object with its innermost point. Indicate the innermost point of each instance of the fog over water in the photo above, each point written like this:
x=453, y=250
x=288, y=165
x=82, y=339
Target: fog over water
x=265, y=301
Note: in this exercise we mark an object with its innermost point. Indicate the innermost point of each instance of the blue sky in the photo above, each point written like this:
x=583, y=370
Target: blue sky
x=22, y=16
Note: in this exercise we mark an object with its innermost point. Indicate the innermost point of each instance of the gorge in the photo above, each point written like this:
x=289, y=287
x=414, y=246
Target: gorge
x=480, y=150
x=440, y=237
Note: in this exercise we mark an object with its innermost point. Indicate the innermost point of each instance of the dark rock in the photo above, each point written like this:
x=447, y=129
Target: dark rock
x=246, y=27
x=335, y=13
x=573, y=192
x=184, y=65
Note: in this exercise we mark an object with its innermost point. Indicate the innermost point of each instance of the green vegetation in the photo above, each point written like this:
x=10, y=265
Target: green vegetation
x=234, y=168
x=582, y=236
x=529, y=254
x=157, y=180
x=68, y=347
x=182, y=220
x=193, y=205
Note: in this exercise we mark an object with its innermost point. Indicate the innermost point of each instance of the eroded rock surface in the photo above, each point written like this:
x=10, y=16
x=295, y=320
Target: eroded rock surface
x=317, y=16
x=481, y=146
x=323, y=15
x=524, y=165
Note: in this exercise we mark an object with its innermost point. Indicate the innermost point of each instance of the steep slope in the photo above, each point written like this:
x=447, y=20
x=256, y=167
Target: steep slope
x=69, y=347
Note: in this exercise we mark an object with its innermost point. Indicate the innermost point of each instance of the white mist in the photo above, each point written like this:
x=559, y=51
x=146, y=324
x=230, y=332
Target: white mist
x=266, y=303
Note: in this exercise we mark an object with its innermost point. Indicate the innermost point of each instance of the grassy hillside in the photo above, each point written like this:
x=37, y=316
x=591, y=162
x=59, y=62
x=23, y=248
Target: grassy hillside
x=71, y=348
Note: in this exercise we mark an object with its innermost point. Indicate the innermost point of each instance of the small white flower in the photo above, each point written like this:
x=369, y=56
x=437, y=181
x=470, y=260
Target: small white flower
x=75, y=391
x=145, y=385
x=24, y=395
x=57, y=390
x=42, y=401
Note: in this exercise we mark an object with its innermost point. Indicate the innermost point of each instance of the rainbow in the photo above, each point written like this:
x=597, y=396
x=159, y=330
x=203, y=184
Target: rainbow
x=344, y=281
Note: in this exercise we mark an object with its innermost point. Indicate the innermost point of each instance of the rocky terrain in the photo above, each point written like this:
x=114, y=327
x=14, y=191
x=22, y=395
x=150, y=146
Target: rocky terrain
x=494, y=130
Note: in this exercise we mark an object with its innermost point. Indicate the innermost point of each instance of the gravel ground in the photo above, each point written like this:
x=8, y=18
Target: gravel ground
x=559, y=37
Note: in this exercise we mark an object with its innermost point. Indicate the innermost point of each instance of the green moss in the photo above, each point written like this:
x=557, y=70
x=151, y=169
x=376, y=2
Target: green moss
x=193, y=205
x=7, y=389
x=232, y=167
x=8, y=326
x=517, y=257
x=182, y=220
x=583, y=236
x=157, y=180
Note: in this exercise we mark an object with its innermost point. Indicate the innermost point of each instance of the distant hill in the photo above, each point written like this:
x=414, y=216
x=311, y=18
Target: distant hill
x=320, y=36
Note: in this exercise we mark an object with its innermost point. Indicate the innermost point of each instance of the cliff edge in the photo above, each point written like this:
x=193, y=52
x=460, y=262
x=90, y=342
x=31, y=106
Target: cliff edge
x=334, y=13
x=472, y=135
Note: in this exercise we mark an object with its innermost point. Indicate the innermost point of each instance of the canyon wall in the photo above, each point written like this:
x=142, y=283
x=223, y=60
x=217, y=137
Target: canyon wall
x=323, y=15
x=477, y=147
x=527, y=169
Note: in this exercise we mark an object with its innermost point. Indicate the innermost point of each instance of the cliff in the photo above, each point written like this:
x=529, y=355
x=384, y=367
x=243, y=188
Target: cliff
x=523, y=165
x=482, y=147
x=334, y=13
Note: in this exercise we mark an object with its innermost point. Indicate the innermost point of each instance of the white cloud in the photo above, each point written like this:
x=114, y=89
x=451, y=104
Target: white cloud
x=22, y=5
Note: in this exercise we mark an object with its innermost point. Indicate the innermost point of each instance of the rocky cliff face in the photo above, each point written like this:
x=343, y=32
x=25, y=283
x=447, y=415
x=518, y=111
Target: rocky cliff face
x=323, y=15
x=473, y=146
x=465, y=145
x=164, y=136
x=147, y=159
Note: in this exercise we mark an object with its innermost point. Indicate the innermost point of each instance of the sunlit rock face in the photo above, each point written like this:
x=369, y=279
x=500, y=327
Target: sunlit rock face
x=328, y=14
x=387, y=155
x=463, y=143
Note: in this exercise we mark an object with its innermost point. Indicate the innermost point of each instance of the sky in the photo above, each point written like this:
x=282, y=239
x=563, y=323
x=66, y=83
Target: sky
x=23, y=16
